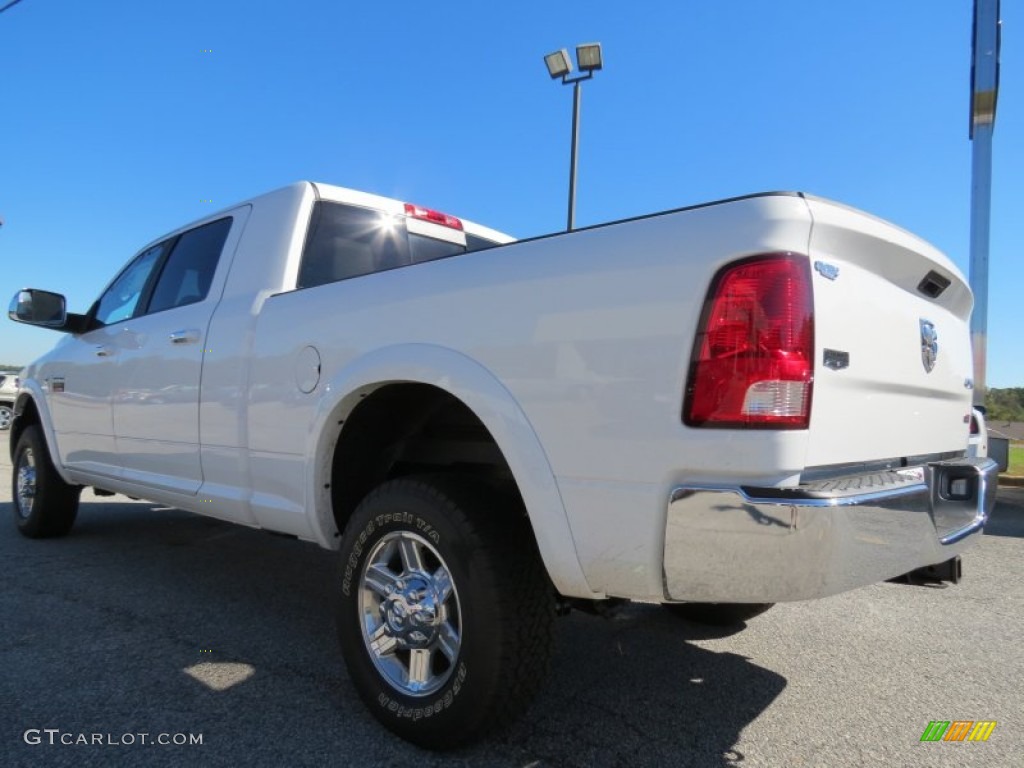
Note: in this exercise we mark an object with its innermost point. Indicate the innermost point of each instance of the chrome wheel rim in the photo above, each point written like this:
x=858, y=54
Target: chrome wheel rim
x=25, y=493
x=410, y=614
x=6, y=414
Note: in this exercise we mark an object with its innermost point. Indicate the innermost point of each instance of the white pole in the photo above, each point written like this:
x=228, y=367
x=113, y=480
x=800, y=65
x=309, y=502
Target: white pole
x=984, y=91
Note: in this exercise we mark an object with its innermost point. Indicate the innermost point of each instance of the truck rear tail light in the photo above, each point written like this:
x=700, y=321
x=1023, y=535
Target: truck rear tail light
x=975, y=429
x=753, y=357
x=436, y=217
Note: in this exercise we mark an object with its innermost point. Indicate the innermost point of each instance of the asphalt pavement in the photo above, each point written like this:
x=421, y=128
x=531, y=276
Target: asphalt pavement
x=153, y=621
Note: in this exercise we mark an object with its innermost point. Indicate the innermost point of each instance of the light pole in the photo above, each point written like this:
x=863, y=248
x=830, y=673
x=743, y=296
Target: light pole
x=985, y=42
x=588, y=58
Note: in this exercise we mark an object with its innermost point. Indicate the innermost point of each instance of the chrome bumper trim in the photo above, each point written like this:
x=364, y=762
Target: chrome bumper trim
x=736, y=544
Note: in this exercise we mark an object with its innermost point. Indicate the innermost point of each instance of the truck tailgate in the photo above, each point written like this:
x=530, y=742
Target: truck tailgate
x=893, y=370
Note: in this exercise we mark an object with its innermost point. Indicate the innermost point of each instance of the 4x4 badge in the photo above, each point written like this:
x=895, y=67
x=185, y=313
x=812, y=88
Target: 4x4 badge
x=929, y=345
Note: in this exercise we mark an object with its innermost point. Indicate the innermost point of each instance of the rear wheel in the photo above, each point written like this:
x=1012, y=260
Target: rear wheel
x=444, y=613
x=6, y=415
x=718, y=614
x=44, y=505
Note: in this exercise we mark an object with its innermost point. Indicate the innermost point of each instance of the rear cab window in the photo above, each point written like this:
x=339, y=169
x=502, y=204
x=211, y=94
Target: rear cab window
x=346, y=241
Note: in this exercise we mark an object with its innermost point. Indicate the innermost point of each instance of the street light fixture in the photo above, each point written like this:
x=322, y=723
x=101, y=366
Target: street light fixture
x=588, y=59
x=558, y=63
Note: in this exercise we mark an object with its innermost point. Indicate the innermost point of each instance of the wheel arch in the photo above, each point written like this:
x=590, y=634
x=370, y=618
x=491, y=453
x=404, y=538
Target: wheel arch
x=439, y=375
x=30, y=408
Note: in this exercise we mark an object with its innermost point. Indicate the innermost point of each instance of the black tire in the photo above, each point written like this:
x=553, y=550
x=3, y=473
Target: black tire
x=718, y=614
x=6, y=416
x=491, y=632
x=44, y=505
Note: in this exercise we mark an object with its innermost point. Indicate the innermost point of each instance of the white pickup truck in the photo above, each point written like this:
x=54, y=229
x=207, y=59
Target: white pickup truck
x=717, y=408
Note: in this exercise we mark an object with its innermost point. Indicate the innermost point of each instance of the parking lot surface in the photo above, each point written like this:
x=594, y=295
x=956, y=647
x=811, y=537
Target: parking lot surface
x=154, y=621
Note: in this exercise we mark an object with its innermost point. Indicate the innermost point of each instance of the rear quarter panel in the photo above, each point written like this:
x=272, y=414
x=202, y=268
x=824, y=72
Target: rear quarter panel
x=589, y=333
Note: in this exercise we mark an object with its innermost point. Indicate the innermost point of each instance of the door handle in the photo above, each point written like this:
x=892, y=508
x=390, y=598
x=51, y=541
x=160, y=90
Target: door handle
x=190, y=336
x=102, y=350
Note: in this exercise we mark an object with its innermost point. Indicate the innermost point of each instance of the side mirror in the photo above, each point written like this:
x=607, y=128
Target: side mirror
x=36, y=307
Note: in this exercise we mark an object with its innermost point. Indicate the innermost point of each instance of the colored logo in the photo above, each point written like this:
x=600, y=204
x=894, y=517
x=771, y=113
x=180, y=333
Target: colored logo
x=958, y=730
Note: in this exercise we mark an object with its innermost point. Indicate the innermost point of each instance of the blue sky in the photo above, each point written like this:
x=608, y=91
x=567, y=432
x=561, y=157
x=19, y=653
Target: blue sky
x=117, y=123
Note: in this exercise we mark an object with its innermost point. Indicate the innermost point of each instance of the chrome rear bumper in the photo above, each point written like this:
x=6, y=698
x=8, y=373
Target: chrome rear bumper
x=768, y=545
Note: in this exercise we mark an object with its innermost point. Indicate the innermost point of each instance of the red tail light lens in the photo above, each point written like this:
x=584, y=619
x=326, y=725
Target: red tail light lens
x=753, y=358
x=975, y=429
x=428, y=214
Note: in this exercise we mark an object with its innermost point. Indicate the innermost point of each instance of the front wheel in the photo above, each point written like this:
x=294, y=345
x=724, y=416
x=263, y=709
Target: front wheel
x=44, y=505
x=6, y=416
x=444, y=611
x=718, y=614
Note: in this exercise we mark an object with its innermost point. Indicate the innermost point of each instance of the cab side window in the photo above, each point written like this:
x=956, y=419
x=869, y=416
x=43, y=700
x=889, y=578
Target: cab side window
x=121, y=299
x=172, y=274
x=188, y=271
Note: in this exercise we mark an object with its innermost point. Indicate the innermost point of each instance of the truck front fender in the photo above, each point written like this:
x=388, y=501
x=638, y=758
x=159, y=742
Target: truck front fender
x=31, y=398
x=480, y=391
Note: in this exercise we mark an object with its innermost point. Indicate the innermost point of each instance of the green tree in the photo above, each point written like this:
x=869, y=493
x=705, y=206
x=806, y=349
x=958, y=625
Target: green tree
x=1005, y=404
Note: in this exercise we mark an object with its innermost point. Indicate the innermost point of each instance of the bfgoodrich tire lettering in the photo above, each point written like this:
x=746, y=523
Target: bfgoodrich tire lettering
x=444, y=611
x=44, y=505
